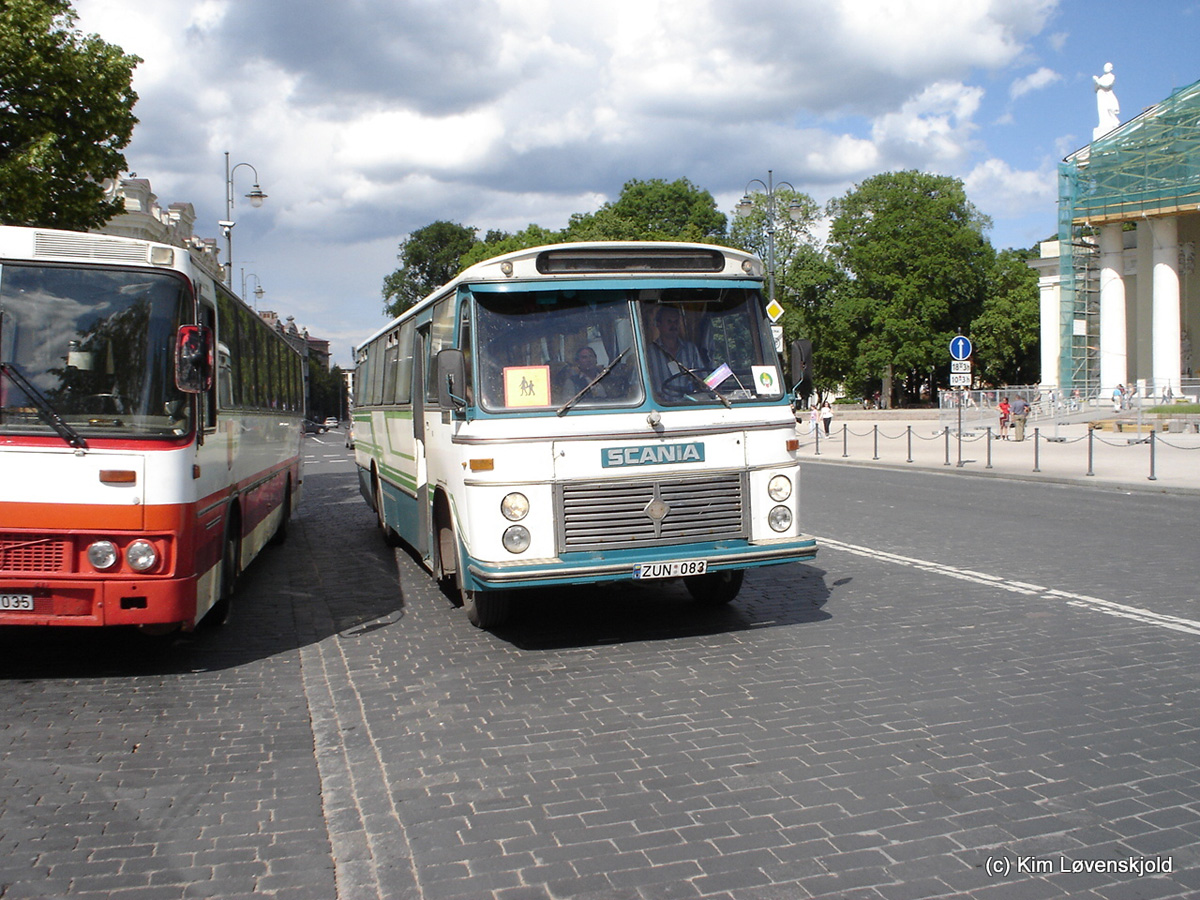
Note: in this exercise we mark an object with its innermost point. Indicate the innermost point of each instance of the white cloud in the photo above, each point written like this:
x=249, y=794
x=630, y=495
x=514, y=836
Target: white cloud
x=1034, y=81
x=995, y=186
x=933, y=129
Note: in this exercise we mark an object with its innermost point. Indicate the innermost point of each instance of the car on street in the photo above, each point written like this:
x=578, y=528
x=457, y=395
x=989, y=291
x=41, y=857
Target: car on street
x=331, y=422
x=311, y=427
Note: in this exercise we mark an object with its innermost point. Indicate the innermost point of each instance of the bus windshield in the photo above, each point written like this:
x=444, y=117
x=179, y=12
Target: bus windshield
x=565, y=349
x=91, y=347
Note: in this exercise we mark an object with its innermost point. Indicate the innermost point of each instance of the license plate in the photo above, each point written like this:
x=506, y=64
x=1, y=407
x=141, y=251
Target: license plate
x=16, y=602
x=679, y=568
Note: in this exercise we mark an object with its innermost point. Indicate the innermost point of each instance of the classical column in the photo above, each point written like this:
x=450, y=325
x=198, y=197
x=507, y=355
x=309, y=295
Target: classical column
x=1114, y=356
x=1165, y=316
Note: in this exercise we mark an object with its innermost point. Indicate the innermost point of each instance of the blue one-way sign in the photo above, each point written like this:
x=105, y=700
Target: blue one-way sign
x=960, y=347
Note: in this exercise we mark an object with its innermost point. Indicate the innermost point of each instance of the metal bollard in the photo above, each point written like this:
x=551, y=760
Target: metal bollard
x=1091, y=435
x=989, y=448
x=845, y=431
x=817, y=439
x=876, y=430
x=1153, y=477
x=1035, y=451
x=947, y=445
x=910, y=443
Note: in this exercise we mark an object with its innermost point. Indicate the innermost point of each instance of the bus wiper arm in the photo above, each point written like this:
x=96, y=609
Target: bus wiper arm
x=696, y=378
x=53, y=419
x=562, y=410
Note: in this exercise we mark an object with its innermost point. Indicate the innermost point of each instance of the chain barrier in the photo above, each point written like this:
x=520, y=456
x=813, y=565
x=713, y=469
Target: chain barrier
x=987, y=437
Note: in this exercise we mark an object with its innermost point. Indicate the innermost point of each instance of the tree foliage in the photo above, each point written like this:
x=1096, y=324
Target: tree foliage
x=66, y=112
x=920, y=264
x=431, y=256
x=1006, y=333
x=654, y=210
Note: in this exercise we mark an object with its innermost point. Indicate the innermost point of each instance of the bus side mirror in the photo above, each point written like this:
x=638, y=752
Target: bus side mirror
x=193, y=359
x=451, y=379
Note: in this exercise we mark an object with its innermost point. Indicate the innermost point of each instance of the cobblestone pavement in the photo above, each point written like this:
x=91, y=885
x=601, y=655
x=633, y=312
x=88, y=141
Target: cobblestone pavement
x=865, y=727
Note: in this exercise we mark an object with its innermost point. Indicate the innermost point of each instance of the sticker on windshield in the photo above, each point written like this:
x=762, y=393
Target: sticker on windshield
x=766, y=380
x=527, y=386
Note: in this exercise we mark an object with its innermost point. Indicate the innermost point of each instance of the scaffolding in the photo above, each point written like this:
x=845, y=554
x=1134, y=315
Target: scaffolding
x=1149, y=166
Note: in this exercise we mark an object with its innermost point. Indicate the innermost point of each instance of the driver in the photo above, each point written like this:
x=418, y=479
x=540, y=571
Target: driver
x=670, y=351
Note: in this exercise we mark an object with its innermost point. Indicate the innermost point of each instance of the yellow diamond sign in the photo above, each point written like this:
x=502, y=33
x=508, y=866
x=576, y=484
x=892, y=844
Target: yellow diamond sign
x=774, y=310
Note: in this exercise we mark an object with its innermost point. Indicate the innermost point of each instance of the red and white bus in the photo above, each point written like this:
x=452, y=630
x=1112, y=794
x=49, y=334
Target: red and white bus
x=151, y=427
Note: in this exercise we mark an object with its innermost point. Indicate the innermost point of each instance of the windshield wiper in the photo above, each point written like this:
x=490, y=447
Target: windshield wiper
x=562, y=410
x=696, y=378
x=53, y=419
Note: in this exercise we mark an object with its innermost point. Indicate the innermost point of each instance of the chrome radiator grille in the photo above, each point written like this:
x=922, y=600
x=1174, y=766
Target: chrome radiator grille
x=607, y=515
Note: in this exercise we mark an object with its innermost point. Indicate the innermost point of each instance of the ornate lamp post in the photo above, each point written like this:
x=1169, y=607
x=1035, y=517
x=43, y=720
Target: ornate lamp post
x=256, y=198
x=795, y=213
x=258, y=289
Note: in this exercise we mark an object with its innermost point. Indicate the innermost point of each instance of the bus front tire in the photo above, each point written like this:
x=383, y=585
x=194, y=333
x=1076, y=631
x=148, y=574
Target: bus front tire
x=486, y=609
x=715, y=588
x=231, y=555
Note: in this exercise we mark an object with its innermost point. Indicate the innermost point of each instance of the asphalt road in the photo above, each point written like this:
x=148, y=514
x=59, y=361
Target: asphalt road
x=980, y=689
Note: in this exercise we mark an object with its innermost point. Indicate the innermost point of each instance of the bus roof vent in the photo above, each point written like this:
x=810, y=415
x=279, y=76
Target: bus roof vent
x=64, y=245
x=630, y=259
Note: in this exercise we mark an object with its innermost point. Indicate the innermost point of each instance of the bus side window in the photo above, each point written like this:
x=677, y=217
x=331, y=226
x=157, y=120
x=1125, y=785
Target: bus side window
x=208, y=318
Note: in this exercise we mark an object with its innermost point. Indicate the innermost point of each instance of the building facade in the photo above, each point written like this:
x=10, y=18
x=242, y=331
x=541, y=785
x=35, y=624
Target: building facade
x=1120, y=303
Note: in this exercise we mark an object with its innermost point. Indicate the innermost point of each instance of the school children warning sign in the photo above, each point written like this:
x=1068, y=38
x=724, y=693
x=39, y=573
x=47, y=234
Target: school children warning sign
x=527, y=386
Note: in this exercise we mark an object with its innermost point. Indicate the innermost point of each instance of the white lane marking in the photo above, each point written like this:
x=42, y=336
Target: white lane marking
x=1083, y=601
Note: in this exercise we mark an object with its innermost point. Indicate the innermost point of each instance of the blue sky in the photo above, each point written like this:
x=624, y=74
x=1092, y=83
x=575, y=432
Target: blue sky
x=367, y=119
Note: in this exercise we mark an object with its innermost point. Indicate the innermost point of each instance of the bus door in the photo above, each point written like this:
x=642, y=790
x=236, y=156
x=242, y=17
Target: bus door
x=420, y=467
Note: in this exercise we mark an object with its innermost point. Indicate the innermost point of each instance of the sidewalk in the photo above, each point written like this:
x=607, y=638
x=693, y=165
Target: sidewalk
x=1062, y=453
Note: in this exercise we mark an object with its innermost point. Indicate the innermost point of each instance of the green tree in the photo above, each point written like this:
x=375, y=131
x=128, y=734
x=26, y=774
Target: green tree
x=1006, y=334
x=918, y=263
x=66, y=112
x=654, y=210
x=326, y=392
x=431, y=256
x=497, y=243
x=795, y=215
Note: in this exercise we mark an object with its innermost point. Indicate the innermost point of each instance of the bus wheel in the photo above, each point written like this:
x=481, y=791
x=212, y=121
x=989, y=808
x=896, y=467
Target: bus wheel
x=231, y=557
x=389, y=536
x=715, y=588
x=486, y=609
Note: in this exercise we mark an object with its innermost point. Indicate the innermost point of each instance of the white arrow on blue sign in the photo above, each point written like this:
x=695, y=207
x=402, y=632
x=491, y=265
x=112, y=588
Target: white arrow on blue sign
x=960, y=347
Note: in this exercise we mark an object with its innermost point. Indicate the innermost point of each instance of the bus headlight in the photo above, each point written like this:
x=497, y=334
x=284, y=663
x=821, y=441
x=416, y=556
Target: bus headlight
x=102, y=555
x=515, y=506
x=780, y=488
x=780, y=518
x=141, y=556
x=516, y=539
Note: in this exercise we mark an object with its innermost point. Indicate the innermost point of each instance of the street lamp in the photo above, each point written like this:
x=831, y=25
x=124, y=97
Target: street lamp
x=256, y=198
x=796, y=213
x=258, y=290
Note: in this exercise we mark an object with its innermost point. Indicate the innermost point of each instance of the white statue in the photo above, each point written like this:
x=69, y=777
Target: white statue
x=1106, y=102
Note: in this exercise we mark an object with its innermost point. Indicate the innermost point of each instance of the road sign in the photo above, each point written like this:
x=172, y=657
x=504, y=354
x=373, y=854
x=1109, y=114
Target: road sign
x=958, y=366
x=960, y=379
x=774, y=310
x=960, y=347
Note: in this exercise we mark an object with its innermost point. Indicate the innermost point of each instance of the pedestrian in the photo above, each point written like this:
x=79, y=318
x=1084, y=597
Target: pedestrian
x=1005, y=412
x=813, y=415
x=1118, y=397
x=1020, y=413
x=826, y=415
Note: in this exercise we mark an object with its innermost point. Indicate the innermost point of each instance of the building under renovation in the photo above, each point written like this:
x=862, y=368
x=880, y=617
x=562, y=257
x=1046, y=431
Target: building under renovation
x=1120, y=303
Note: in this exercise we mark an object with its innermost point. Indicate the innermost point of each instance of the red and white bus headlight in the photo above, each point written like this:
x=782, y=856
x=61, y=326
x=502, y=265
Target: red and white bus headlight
x=141, y=556
x=779, y=488
x=102, y=555
x=514, y=506
x=516, y=539
x=780, y=518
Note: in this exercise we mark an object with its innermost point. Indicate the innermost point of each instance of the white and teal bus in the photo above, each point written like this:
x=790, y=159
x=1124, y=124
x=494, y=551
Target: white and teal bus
x=584, y=413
